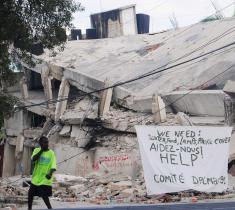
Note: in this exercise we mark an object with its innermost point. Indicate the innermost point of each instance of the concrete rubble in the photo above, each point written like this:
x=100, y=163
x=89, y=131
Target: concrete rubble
x=119, y=189
x=12, y=195
x=102, y=190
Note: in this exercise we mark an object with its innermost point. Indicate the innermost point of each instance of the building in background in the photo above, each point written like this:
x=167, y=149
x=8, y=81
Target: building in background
x=115, y=23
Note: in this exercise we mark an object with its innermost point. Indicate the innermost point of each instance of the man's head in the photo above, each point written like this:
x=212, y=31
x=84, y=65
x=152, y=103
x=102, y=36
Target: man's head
x=43, y=142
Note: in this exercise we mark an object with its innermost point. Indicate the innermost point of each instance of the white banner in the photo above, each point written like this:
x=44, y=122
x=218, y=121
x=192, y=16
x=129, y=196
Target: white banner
x=179, y=158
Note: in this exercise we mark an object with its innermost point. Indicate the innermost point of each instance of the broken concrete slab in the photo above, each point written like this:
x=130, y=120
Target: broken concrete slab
x=88, y=83
x=107, y=178
x=82, y=142
x=137, y=103
x=207, y=121
x=119, y=185
x=16, y=124
x=125, y=121
x=76, y=117
x=77, y=188
x=128, y=192
x=55, y=71
x=69, y=178
x=229, y=87
x=32, y=132
x=66, y=130
x=119, y=125
x=54, y=130
x=106, y=56
x=82, y=81
x=78, y=131
x=27, y=142
x=40, y=110
x=198, y=102
x=48, y=125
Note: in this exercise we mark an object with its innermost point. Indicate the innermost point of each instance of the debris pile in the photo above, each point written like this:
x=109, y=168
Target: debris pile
x=105, y=190
x=102, y=190
x=11, y=194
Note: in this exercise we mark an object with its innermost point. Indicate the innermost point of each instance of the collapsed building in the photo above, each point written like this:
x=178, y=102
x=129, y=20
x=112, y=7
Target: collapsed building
x=92, y=131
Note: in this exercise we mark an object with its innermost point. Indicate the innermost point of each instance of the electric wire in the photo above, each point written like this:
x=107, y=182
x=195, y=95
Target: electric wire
x=153, y=72
x=158, y=72
x=143, y=76
x=168, y=105
x=227, y=32
x=164, y=40
x=187, y=54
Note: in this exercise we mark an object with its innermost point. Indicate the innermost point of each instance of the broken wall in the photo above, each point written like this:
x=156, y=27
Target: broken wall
x=100, y=161
x=16, y=162
x=8, y=160
x=17, y=123
x=115, y=162
x=112, y=155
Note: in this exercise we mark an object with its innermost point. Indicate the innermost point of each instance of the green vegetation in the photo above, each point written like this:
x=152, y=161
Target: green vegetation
x=22, y=24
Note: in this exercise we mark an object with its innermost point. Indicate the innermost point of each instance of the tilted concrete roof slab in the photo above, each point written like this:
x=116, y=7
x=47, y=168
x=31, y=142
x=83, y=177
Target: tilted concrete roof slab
x=90, y=62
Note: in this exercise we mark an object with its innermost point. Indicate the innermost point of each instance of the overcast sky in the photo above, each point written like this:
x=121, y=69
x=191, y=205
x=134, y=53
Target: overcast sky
x=187, y=12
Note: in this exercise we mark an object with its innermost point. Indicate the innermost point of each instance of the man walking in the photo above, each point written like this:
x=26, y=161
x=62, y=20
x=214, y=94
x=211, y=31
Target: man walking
x=44, y=163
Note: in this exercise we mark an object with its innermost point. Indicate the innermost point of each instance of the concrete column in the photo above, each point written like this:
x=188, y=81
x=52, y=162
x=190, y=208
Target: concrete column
x=24, y=88
x=19, y=154
x=63, y=93
x=105, y=100
x=19, y=146
x=8, y=160
x=46, y=82
x=158, y=109
x=26, y=160
x=48, y=90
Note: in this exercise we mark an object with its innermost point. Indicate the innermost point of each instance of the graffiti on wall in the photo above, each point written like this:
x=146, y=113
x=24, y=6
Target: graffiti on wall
x=113, y=162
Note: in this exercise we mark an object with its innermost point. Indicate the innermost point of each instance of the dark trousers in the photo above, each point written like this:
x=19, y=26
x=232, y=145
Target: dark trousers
x=42, y=191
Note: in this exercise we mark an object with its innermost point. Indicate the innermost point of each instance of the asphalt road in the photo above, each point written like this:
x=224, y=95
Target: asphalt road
x=196, y=206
